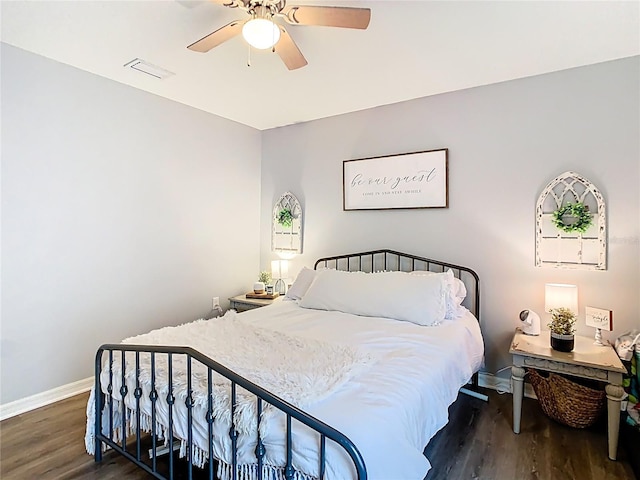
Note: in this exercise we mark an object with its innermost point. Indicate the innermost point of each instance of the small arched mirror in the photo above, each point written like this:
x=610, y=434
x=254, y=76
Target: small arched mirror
x=287, y=225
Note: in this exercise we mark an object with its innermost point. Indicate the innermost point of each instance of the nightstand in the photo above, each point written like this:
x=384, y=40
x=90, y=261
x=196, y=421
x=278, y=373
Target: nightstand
x=586, y=360
x=241, y=303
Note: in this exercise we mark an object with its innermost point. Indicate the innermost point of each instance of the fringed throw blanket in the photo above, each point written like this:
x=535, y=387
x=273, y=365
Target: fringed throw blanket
x=301, y=371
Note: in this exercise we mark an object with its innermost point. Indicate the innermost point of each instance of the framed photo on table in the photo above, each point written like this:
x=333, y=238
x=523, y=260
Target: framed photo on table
x=406, y=180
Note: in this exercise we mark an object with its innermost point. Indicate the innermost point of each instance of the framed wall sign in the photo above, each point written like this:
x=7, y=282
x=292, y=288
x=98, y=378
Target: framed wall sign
x=406, y=180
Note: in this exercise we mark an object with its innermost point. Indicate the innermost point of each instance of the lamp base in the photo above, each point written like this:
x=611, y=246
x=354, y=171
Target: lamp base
x=280, y=286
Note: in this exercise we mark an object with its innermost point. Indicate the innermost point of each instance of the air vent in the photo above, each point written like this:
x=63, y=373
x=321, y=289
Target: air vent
x=191, y=3
x=145, y=67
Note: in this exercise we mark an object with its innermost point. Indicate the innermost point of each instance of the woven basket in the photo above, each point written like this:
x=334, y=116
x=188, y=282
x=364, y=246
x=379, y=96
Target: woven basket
x=566, y=401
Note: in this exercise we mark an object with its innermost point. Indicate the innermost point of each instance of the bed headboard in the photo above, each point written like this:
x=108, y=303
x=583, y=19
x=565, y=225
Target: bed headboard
x=391, y=260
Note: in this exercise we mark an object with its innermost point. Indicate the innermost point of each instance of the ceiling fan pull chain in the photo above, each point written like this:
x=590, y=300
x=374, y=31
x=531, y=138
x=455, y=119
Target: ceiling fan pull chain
x=249, y=56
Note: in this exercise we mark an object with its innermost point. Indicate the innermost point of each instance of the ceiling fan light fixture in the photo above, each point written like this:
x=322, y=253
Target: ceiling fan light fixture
x=261, y=33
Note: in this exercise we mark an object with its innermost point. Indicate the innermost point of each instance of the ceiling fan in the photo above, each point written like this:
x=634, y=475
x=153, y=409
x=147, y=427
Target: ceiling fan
x=262, y=32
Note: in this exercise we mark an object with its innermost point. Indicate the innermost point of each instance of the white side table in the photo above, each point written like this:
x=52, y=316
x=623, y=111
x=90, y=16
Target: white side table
x=586, y=360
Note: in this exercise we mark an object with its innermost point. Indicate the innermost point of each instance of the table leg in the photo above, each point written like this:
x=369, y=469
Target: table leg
x=517, y=377
x=614, y=397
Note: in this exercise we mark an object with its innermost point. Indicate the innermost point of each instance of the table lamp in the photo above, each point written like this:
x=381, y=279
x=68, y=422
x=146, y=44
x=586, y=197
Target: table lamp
x=560, y=295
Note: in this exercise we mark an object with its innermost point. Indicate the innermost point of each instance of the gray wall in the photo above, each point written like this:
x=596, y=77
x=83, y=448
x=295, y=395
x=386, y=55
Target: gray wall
x=121, y=212
x=506, y=142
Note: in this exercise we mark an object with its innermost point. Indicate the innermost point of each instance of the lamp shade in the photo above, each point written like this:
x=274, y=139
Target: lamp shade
x=560, y=295
x=279, y=268
x=261, y=33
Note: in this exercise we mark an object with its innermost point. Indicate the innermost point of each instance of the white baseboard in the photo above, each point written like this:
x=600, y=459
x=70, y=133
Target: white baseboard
x=502, y=385
x=38, y=400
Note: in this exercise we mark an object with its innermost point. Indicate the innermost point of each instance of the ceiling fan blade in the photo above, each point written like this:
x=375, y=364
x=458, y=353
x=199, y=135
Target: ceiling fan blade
x=214, y=39
x=289, y=52
x=345, y=17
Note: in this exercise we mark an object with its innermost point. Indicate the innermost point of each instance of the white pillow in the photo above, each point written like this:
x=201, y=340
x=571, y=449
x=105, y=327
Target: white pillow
x=301, y=284
x=455, y=294
x=458, y=289
x=419, y=299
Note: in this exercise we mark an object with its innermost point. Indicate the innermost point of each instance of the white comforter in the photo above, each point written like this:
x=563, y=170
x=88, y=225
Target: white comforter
x=390, y=411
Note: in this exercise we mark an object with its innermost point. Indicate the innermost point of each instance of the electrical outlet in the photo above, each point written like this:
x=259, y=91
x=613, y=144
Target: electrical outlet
x=215, y=302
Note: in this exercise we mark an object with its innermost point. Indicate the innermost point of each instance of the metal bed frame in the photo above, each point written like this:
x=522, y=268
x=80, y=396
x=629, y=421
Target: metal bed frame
x=133, y=450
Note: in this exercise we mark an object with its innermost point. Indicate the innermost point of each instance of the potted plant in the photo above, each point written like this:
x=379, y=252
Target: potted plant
x=562, y=329
x=263, y=279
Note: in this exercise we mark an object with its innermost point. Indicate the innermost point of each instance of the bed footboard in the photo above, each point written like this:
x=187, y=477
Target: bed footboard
x=140, y=411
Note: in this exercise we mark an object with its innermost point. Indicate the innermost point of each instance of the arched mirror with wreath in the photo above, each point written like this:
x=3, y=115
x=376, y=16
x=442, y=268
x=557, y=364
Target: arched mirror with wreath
x=571, y=229
x=287, y=225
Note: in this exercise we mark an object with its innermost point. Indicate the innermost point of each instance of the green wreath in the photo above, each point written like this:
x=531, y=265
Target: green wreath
x=285, y=217
x=577, y=210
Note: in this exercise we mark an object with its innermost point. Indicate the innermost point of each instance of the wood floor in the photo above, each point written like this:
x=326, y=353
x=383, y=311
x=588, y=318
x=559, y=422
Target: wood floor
x=478, y=443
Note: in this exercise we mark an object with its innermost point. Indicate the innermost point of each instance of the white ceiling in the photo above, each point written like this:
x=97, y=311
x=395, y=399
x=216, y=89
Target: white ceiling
x=411, y=49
